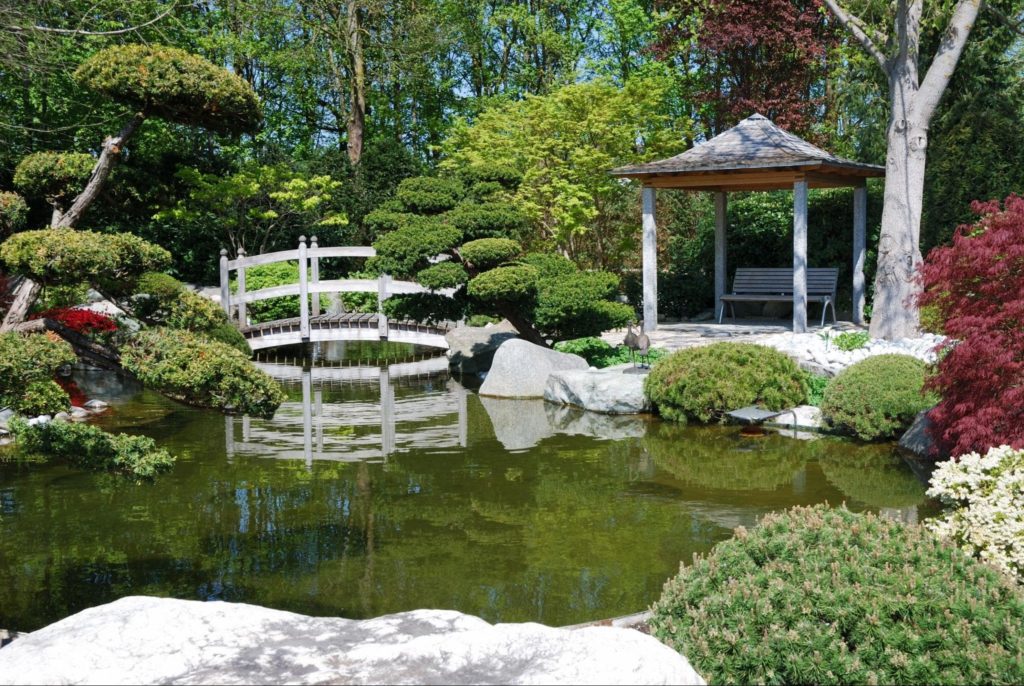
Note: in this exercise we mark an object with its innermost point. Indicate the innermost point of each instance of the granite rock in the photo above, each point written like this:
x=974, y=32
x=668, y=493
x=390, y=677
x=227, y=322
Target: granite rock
x=471, y=348
x=521, y=369
x=143, y=640
x=610, y=391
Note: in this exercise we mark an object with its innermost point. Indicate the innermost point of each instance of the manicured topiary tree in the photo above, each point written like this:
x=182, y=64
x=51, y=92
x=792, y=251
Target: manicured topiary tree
x=153, y=81
x=13, y=213
x=821, y=595
x=478, y=235
x=975, y=286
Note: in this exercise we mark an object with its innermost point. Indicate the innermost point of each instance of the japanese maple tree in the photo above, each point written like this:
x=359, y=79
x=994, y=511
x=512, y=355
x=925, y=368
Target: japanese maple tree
x=977, y=286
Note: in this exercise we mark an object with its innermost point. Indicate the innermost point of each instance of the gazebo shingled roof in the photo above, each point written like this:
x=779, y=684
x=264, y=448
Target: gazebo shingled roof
x=753, y=155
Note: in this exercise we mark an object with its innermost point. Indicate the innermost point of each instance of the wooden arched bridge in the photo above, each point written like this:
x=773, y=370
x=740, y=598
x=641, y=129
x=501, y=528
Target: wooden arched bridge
x=312, y=326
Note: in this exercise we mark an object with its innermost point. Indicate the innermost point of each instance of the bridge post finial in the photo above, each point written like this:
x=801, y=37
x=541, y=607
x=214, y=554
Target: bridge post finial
x=302, y=240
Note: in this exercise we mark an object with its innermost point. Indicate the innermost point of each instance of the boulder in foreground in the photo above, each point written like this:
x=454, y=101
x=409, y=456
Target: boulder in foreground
x=521, y=369
x=610, y=390
x=143, y=640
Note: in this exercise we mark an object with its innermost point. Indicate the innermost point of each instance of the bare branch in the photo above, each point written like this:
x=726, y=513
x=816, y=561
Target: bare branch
x=946, y=58
x=857, y=27
x=83, y=32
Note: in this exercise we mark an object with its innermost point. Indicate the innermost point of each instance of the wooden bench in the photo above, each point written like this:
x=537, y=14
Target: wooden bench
x=776, y=285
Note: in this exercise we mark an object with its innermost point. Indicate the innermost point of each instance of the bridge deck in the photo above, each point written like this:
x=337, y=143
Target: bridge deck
x=354, y=325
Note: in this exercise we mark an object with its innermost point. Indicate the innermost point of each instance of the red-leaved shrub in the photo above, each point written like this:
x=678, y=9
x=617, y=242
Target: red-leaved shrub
x=82, y=321
x=977, y=285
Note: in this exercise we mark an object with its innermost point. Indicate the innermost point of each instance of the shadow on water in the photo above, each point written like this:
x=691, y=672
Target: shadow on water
x=383, y=485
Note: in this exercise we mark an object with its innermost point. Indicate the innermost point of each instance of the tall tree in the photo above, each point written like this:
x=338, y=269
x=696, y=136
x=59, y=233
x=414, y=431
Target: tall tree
x=912, y=103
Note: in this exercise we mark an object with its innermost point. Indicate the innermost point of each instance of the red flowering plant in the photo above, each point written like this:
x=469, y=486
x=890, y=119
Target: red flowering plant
x=977, y=287
x=79, y=320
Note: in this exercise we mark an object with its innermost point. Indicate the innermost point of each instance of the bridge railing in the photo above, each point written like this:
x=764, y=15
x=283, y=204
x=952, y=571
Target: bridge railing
x=308, y=258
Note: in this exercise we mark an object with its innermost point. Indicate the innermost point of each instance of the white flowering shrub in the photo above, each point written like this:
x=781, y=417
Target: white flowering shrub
x=985, y=497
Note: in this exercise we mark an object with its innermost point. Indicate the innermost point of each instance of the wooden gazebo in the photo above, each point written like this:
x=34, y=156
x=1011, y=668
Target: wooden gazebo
x=754, y=155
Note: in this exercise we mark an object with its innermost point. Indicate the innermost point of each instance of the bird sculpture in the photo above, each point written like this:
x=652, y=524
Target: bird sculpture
x=637, y=343
x=643, y=347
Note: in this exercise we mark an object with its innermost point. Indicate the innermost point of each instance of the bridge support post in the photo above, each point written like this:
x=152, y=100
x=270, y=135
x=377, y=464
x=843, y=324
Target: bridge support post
x=225, y=285
x=383, y=284
x=303, y=290
x=314, y=263
x=242, y=317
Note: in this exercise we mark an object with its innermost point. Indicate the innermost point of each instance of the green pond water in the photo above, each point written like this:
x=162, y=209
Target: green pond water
x=375, y=491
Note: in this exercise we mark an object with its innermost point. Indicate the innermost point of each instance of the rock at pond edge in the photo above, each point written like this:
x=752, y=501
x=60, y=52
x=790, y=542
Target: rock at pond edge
x=471, y=348
x=521, y=369
x=608, y=391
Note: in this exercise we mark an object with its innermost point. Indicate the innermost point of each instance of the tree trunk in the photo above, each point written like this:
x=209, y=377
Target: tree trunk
x=526, y=330
x=356, y=124
x=24, y=296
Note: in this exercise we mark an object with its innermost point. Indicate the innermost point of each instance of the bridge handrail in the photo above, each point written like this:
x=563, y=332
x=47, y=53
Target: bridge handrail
x=309, y=283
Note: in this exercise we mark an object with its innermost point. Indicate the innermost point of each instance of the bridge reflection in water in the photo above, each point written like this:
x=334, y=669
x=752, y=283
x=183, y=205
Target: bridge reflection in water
x=356, y=429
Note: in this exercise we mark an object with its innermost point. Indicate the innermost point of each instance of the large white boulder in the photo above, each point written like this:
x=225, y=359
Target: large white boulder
x=142, y=640
x=471, y=348
x=611, y=390
x=521, y=369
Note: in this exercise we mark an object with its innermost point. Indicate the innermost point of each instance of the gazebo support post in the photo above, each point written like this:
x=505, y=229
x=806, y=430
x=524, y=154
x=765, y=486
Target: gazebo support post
x=721, y=255
x=860, y=224
x=650, y=261
x=800, y=256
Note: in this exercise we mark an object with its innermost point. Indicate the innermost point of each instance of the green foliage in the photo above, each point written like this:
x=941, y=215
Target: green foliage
x=159, y=285
x=600, y=354
x=93, y=448
x=442, y=275
x=819, y=595
x=190, y=311
x=514, y=286
x=878, y=397
x=549, y=265
x=52, y=297
x=703, y=383
x=53, y=176
x=174, y=85
x=851, y=340
x=485, y=253
x=488, y=220
x=814, y=387
x=409, y=249
x=69, y=257
x=42, y=397
x=428, y=195
x=13, y=213
x=26, y=360
x=579, y=304
x=196, y=370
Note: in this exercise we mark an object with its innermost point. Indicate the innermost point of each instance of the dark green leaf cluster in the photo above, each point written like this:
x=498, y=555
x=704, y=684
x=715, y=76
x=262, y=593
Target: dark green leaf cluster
x=13, y=213
x=579, y=304
x=825, y=596
x=404, y=252
x=164, y=300
x=30, y=362
x=878, y=397
x=514, y=285
x=549, y=265
x=704, y=383
x=445, y=274
x=196, y=370
x=488, y=220
x=505, y=175
x=54, y=176
x=93, y=448
x=69, y=257
x=429, y=194
x=42, y=397
x=485, y=253
x=173, y=84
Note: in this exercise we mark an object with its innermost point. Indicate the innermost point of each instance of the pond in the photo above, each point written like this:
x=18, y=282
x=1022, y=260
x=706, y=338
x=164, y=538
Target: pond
x=388, y=487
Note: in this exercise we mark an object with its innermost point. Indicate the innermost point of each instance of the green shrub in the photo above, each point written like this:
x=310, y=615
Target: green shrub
x=405, y=251
x=196, y=370
x=163, y=287
x=428, y=194
x=93, y=448
x=488, y=220
x=814, y=387
x=515, y=285
x=819, y=595
x=579, y=304
x=600, y=354
x=484, y=253
x=174, y=85
x=703, y=383
x=851, y=340
x=42, y=397
x=13, y=213
x=442, y=275
x=54, y=176
x=68, y=257
x=170, y=303
x=876, y=398
x=29, y=359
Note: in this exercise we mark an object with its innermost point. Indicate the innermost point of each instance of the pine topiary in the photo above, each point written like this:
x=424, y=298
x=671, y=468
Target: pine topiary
x=820, y=595
x=876, y=398
x=702, y=384
x=13, y=213
x=53, y=176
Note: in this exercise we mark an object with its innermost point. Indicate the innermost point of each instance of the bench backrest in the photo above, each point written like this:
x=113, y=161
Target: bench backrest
x=779, y=281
